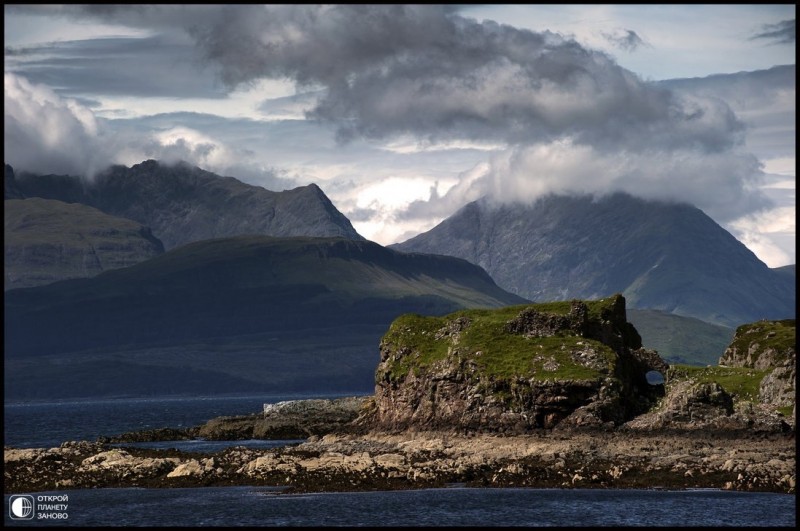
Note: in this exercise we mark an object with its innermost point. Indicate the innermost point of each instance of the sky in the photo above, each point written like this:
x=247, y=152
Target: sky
x=403, y=114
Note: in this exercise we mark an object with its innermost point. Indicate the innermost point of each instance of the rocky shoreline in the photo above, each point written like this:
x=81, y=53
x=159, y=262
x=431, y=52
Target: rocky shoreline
x=349, y=459
x=576, y=411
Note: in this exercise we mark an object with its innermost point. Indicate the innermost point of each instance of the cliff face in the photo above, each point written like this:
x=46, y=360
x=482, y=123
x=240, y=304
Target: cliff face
x=753, y=388
x=767, y=346
x=509, y=370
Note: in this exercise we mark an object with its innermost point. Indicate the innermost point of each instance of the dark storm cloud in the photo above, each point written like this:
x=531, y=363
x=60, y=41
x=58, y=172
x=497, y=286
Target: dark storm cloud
x=427, y=71
x=573, y=119
x=781, y=33
x=627, y=40
x=162, y=65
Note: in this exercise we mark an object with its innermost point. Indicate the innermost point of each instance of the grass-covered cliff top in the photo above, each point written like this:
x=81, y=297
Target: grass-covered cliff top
x=741, y=382
x=482, y=338
x=780, y=336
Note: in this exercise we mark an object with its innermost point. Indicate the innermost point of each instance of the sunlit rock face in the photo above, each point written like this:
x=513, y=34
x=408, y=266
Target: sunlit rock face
x=514, y=369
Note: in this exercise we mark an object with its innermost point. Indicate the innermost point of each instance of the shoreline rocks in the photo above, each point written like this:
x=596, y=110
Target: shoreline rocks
x=293, y=419
x=444, y=420
x=585, y=458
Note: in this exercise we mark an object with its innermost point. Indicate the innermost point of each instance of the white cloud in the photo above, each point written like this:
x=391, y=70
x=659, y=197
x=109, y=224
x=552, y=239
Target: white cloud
x=406, y=144
x=424, y=94
x=767, y=234
x=46, y=133
x=782, y=166
x=721, y=184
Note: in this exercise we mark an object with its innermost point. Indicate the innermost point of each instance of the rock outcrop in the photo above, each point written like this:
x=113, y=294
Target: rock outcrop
x=698, y=406
x=514, y=369
x=294, y=419
x=753, y=388
x=769, y=346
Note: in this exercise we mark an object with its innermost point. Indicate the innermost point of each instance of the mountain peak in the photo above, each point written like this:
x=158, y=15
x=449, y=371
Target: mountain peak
x=661, y=255
x=184, y=203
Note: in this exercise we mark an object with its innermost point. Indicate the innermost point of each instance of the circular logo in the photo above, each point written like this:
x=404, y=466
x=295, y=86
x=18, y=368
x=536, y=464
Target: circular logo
x=22, y=507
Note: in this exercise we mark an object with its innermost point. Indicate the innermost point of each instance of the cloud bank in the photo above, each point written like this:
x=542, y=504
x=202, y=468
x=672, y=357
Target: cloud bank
x=565, y=118
x=42, y=131
x=46, y=133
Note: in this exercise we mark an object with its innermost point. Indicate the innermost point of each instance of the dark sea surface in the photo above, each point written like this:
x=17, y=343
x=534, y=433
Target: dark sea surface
x=47, y=424
x=259, y=506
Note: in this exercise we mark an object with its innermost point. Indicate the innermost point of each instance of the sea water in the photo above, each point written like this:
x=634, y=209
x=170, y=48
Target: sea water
x=47, y=424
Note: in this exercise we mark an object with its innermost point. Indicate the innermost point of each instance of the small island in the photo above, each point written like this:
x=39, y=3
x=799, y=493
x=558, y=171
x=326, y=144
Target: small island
x=552, y=395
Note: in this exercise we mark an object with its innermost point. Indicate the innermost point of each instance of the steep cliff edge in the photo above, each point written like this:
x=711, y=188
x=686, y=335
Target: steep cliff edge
x=573, y=363
x=769, y=346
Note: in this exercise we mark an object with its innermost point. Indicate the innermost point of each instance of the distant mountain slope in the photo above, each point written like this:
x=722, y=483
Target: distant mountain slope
x=662, y=256
x=45, y=241
x=789, y=272
x=183, y=204
x=681, y=340
x=289, y=305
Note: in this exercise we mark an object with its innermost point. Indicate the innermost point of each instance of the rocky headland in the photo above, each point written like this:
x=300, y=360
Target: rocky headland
x=554, y=395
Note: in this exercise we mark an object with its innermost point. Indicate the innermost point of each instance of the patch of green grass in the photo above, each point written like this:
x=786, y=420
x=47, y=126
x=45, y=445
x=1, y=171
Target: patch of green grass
x=778, y=335
x=496, y=352
x=741, y=382
x=508, y=355
x=596, y=308
x=416, y=333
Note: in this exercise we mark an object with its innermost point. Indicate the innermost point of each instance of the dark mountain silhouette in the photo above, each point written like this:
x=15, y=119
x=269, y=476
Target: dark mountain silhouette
x=183, y=204
x=300, y=314
x=12, y=190
x=662, y=256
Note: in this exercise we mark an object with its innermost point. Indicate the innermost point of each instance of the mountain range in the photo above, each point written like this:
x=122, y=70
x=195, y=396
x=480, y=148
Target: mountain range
x=239, y=308
x=126, y=215
x=183, y=204
x=662, y=256
x=182, y=281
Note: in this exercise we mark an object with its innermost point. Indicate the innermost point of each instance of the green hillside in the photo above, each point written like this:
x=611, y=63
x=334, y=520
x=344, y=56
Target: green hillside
x=288, y=313
x=681, y=340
